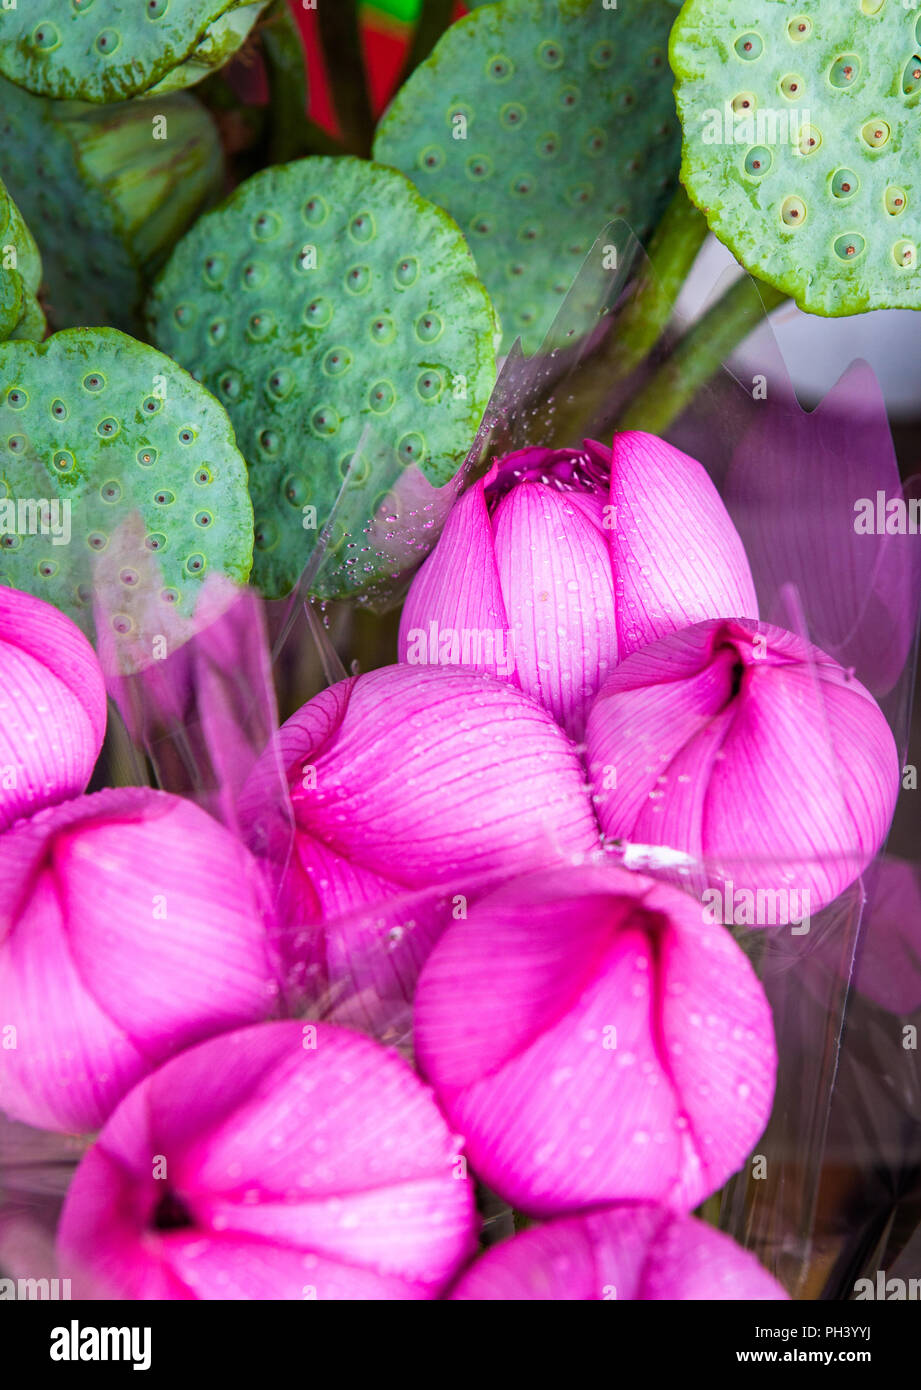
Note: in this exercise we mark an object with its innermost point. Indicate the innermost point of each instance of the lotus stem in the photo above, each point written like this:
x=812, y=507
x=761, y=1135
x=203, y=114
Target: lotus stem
x=340, y=35
x=672, y=252
x=290, y=136
x=433, y=20
x=699, y=354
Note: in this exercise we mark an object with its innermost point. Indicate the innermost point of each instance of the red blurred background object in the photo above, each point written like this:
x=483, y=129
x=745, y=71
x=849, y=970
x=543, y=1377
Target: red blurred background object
x=386, y=41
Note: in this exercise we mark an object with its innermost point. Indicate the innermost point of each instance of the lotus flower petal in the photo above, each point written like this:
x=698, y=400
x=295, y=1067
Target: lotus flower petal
x=131, y=925
x=457, y=589
x=52, y=706
x=560, y=562
x=627, y=1054
x=450, y=796
x=298, y=1161
x=750, y=750
x=71, y=1060
x=675, y=553
x=642, y=1252
x=558, y=587
x=411, y=779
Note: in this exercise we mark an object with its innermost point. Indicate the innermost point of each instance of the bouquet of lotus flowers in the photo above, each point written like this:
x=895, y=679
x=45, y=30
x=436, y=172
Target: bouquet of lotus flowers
x=453, y=707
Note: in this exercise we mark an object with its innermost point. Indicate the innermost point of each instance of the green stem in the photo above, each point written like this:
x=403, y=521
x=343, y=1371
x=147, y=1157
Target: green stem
x=123, y=762
x=699, y=354
x=319, y=141
x=432, y=22
x=287, y=76
x=672, y=252
x=340, y=35
x=709, y=1210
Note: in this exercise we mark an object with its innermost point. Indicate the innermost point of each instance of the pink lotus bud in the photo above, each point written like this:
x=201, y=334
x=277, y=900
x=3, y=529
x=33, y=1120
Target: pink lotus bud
x=560, y=563
x=284, y=1161
x=411, y=779
x=620, y=1253
x=754, y=753
x=52, y=706
x=131, y=925
x=596, y=1040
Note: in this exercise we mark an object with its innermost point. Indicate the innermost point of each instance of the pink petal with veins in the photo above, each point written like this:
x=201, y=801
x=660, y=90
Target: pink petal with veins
x=52, y=707
x=132, y=925
x=618, y=1253
x=296, y=1161
x=627, y=1056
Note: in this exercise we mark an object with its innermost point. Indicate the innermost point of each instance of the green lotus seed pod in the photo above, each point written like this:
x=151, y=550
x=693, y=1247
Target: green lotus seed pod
x=11, y=301
x=107, y=191
x=109, y=50
x=32, y=325
x=222, y=40
x=20, y=275
x=338, y=316
x=121, y=487
x=535, y=123
x=801, y=143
